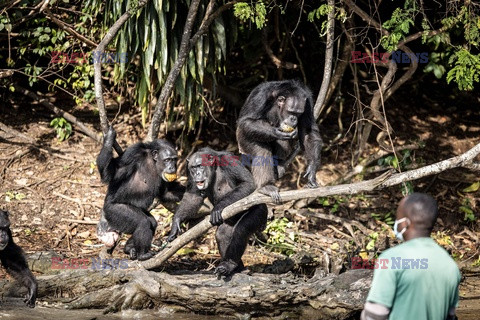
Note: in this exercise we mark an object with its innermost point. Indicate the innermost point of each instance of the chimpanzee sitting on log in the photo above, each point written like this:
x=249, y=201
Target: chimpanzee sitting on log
x=276, y=120
x=223, y=183
x=14, y=262
x=142, y=173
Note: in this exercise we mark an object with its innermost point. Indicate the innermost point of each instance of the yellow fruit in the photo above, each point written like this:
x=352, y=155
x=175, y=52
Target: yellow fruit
x=286, y=128
x=170, y=176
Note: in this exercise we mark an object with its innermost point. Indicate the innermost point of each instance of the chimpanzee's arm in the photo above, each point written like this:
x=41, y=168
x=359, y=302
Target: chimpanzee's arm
x=262, y=131
x=311, y=143
x=174, y=192
x=188, y=208
x=105, y=162
x=14, y=262
x=244, y=185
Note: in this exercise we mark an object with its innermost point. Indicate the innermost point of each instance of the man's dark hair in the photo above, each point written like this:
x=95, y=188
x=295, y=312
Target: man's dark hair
x=422, y=210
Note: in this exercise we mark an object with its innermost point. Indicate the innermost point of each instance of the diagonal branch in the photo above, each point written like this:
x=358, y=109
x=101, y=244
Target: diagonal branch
x=69, y=29
x=385, y=180
x=68, y=116
x=257, y=198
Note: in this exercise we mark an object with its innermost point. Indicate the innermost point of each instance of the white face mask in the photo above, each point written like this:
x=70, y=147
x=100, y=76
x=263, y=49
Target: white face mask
x=399, y=235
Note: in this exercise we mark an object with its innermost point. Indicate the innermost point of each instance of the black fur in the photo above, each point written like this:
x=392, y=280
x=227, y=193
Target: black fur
x=223, y=182
x=269, y=107
x=14, y=262
x=134, y=180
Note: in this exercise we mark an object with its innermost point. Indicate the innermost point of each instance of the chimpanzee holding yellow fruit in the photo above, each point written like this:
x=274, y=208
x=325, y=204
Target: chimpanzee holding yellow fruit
x=277, y=119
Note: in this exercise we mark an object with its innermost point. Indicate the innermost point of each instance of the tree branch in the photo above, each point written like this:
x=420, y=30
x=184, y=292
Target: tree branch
x=382, y=94
x=185, y=46
x=327, y=71
x=174, y=72
x=464, y=160
x=69, y=29
x=365, y=17
x=378, y=99
x=69, y=117
x=111, y=33
x=275, y=60
x=382, y=181
x=340, y=68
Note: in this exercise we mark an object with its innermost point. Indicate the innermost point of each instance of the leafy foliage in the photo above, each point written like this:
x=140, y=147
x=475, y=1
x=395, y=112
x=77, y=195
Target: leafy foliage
x=371, y=243
x=399, y=26
x=42, y=49
x=278, y=235
x=62, y=127
x=323, y=11
x=388, y=218
x=466, y=69
x=254, y=13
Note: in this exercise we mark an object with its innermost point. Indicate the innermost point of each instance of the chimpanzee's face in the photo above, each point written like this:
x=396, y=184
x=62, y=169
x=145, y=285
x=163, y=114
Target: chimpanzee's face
x=200, y=174
x=291, y=106
x=4, y=225
x=166, y=163
x=165, y=158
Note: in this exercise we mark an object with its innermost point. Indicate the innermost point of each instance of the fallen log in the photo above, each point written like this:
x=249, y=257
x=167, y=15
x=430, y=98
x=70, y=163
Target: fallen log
x=245, y=294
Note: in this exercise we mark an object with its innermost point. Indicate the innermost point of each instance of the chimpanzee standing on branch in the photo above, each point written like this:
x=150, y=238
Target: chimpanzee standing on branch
x=223, y=183
x=277, y=119
x=143, y=172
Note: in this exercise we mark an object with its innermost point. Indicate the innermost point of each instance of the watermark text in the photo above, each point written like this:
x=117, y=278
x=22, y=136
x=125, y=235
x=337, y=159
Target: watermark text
x=209, y=160
x=382, y=57
x=87, y=57
x=393, y=263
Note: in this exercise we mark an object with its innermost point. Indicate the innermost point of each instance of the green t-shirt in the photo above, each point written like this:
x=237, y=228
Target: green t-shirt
x=419, y=281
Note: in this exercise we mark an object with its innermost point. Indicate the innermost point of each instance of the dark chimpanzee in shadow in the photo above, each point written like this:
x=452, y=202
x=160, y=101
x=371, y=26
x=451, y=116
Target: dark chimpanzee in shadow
x=276, y=121
x=14, y=262
x=221, y=177
x=142, y=173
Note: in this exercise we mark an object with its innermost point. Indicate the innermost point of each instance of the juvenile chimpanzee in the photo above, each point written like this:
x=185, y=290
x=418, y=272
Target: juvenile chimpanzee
x=223, y=183
x=144, y=171
x=276, y=120
x=14, y=262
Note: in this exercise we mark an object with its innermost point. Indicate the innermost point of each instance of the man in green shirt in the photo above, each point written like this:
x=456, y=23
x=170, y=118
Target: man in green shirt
x=418, y=279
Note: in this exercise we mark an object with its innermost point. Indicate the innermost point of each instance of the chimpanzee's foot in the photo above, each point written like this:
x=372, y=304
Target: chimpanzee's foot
x=228, y=267
x=145, y=256
x=131, y=252
x=134, y=255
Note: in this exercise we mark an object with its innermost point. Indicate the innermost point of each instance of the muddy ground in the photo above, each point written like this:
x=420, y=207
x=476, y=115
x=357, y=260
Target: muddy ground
x=54, y=194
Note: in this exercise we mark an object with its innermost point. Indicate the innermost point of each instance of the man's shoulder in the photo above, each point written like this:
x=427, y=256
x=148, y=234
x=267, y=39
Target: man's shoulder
x=395, y=251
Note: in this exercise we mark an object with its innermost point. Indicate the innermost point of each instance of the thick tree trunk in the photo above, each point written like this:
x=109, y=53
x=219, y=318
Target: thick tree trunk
x=260, y=294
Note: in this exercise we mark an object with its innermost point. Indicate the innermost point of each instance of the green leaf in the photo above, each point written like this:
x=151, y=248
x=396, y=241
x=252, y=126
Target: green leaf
x=370, y=245
x=466, y=209
x=473, y=187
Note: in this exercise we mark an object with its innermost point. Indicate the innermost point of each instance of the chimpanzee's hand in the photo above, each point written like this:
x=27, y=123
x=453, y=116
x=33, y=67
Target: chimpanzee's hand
x=285, y=135
x=271, y=191
x=216, y=216
x=312, y=178
x=174, y=231
x=110, y=136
